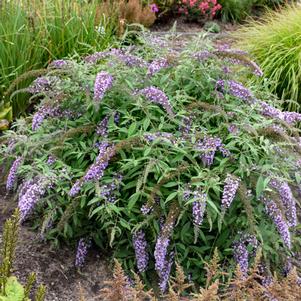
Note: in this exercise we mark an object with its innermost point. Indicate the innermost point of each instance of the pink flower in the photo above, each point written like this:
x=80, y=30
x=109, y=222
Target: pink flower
x=154, y=8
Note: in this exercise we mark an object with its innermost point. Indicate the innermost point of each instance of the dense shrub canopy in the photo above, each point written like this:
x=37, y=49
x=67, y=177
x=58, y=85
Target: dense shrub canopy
x=160, y=153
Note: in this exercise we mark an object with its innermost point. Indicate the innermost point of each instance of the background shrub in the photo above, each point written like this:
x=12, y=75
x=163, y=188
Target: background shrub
x=275, y=42
x=236, y=10
x=155, y=156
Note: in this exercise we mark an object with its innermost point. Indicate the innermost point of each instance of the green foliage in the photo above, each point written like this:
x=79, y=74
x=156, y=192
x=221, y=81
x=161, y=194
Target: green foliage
x=14, y=291
x=10, y=238
x=275, y=42
x=10, y=288
x=155, y=171
x=212, y=27
x=236, y=10
x=33, y=33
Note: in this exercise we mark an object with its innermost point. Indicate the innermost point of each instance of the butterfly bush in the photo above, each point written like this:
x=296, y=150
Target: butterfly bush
x=167, y=149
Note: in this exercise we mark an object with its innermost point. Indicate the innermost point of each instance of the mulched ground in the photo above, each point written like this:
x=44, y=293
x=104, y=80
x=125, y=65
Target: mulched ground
x=54, y=267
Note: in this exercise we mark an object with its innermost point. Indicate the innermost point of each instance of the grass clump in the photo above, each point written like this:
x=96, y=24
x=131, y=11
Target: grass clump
x=33, y=33
x=275, y=42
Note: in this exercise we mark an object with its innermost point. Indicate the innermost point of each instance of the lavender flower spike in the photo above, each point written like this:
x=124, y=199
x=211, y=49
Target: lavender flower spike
x=29, y=196
x=103, y=82
x=241, y=257
x=275, y=214
x=235, y=89
x=160, y=254
x=165, y=275
x=155, y=95
x=102, y=128
x=11, y=179
x=96, y=170
x=198, y=207
x=75, y=189
x=156, y=65
x=140, y=246
x=230, y=189
x=81, y=252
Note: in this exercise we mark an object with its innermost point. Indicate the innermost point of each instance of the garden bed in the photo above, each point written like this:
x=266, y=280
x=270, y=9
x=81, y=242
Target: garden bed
x=54, y=267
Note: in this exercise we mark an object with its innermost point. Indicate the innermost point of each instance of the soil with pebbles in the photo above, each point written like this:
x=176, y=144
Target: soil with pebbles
x=55, y=267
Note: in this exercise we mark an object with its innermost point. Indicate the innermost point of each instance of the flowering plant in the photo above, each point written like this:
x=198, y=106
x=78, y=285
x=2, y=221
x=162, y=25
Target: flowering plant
x=196, y=9
x=159, y=156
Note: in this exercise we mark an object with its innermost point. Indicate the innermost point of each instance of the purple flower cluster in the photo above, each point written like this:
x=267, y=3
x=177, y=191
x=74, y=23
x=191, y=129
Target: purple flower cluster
x=59, y=64
x=42, y=84
x=39, y=85
x=103, y=82
x=235, y=89
x=288, y=201
x=198, y=209
x=229, y=192
x=96, y=170
x=30, y=194
x=47, y=111
x=166, y=272
x=51, y=160
x=198, y=205
x=146, y=209
x=241, y=256
x=131, y=60
x=161, y=253
x=11, y=178
x=203, y=55
x=241, y=253
x=162, y=263
x=270, y=111
x=116, y=118
x=155, y=95
x=150, y=137
x=233, y=129
x=108, y=190
x=75, y=189
x=275, y=214
x=208, y=147
x=81, y=252
x=140, y=246
x=102, y=128
x=93, y=58
x=291, y=117
x=186, y=124
x=247, y=63
x=156, y=65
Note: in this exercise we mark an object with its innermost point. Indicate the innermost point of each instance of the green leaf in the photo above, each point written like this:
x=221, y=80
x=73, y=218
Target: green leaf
x=132, y=129
x=14, y=290
x=171, y=196
x=133, y=199
x=261, y=185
